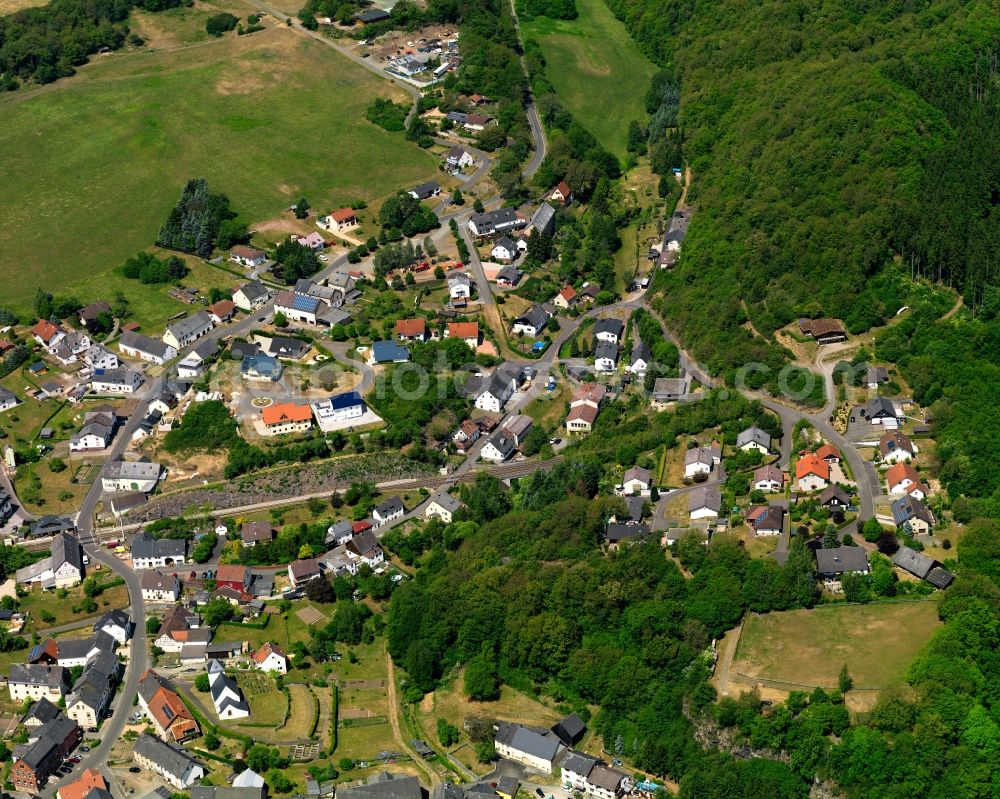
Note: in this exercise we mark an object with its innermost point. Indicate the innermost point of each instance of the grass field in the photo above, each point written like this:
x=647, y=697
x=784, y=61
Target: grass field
x=94, y=163
x=809, y=647
x=596, y=69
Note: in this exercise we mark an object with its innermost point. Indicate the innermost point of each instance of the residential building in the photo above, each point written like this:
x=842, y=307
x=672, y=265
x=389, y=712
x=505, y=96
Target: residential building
x=467, y=331
x=670, y=389
x=149, y=552
x=753, y=438
x=233, y=575
x=332, y=412
x=338, y=220
x=167, y=760
x=40, y=713
x=531, y=322
x=701, y=460
x=811, y=472
x=498, y=448
x=641, y=359
x=115, y=623
x=921, y=566
x=704, y=502
x=824, y=331
x=894, y=447
x=443, y=505
x=147, y=349
x=302, y=571
x=912, y=516
x=902, y=478
x=45, y=754
x=312, y=241
x=270, y=658
x=525, y=746
x=827, y=452
x=875, y=376
x=609, y=330
x=543, y=220
x=247, y=256
x=768, y=478
x=251, y=296
x=222, y=311
x=259, y=532
x=158, y=587
x=89, y=315
x=388, y=511
x=605, y=357
x=94, y=436
x=834, y=563
x=339, y=533
x=188, y=330
x=636, y=481
x=388, y=352
x=37, y=681
x=493, y=392
x=459, y=286
x=285, y=418
x=458, y=157
x=881, y=410
x=570, y=730
x=562, y=194
x=115, y=381
x=505, y=249
x=424, y=191
x=48, y=335
x=97, y=357
x=8, y=399
x=62, y=569
x=261, y=368
x=411, y=329
x=518, y=427
x=120, y=475
x=575, y=769
x=581, y=419
x=383, y=786
x=509, y=277
x=566, y=298
x=81, y=787
x=179, y=628
x=364, y=547
x=297, y=307
x=834, y=496
x=226, y=694
x=766, y=520
x=493, y=223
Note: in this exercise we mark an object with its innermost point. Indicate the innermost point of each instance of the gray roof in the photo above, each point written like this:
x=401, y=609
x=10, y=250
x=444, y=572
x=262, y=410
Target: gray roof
x=507, y=243
x=706, y=455
x=623, y=531
x=672, y=386
x=37, y=674
x=906, y=508
x=6, y=394
x=114, y=618
x=880, y=406
x=225, y=792
x=120, y=376
x=190, y=325
x=169, y=757
x=503, y=442
x=254, y=290
x=66, y=549
x=640, y=352
x=579, y=763
x=769, y=472
x=528, y=741
x=43, y=711
x=613, y=326
x=446, y=501
x=754, y=435
x=940, y=577
x=877, y=374
x=912, y=561
x=390, y=506
x=840, y=560
x=131, y=470
x=220, y=686
x=705, y=497
x=543, y=216
x=378, y=787
x=834, y=492
x=152, y=580
x=605, y=349
x=206, y=349
x=490, y=219
x=536, y=316
x=145, y=546
x=142, y=343
x=39, y=752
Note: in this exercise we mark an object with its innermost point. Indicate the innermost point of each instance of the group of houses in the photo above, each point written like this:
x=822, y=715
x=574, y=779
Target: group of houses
x=335, y=412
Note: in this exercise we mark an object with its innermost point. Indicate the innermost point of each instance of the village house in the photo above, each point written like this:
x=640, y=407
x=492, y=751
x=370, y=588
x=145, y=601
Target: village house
x=912, y=516
x=525, y=746
x=164, y=708
x=45, y=754
x=505, y=249
x=247, y=256
x=636, y=481
x=261, y=368
x=8, y=399
x=222, y=311
x=80, y=788
x=226, y=694
x=121, y=475
x=188, y=330
x=259, y=532
x=584, y=408
x=518, y=427
x=37, y=681
x=499, y=447
x=532, y=322
x=167, y=760
x=411, y=329
x=609, y=331
x=811, y=472
x=605, y=357
x=766, y=520
x=339, y=220
x=543, y=221
x=459, y=158
x=640, y=360
x=492, y=393
x=882, y=410
x=902, y=478
x=561, y=194
x=466, y=331
x=150, y=350
x=364, y=547
x=894, y=447
x=768, y=478
x=832, y=564
x=753, y=438
x=424, y=191
x=155, y=553
x=48, y=335
x=298, y=307
x=179, y=628
x=270, y=658
x=302, y=571
x=97, y=357
x=158, y=587
x=459, y=286
x=90, y=696
x=285, y=418
x=704, y=502
x=251, y=296
x=96, y=433
x=701, y=460
x=332, y=412
x=234, y=576
x=466, y=435
x=834, y=497
x=62, y=569
x=115, y=381
x=388, y=352
x=669, y=389
x=479, y=122
x=824, y=331
x=115, y=623
x=89, y=315
x=40, y=713
x=876, y=376
x=827, y=452
x=388, y=511
x=921, y=566
x=311, y=241
x=443, y=505
x=509, y=277
x=494, y=223
x=566, y=298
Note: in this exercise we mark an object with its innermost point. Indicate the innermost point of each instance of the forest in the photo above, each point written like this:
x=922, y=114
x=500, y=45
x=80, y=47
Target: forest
x=832, y=144
x=47, y=43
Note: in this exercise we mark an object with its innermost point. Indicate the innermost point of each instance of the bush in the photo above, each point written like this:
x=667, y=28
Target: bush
x=220, y=23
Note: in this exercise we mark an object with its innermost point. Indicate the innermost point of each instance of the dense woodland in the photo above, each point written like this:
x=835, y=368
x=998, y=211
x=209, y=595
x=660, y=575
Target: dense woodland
x=47, y=43
x=201, y=221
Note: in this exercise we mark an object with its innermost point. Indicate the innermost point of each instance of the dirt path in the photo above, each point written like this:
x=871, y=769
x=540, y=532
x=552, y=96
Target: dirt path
x=953, y=311
x=394, y=711
x=729, y=644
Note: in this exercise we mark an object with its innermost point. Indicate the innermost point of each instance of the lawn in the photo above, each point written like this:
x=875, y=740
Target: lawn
x=94, y=163
x=267, y=703
x=597, y=71
x=61, y=605
x=809, y=647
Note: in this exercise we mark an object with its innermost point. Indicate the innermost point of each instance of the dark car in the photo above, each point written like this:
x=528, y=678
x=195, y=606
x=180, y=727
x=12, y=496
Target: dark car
x=134, y=770
x=92, y=729
x=540, y=793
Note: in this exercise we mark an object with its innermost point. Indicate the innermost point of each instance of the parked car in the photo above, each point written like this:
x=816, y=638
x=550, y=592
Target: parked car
x=134, y=770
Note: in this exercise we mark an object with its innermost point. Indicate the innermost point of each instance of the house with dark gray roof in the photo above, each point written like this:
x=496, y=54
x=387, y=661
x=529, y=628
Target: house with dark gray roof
x=41, y=712
x=167, y=760
x=912, y=516
x=834, y=563
x=155, y=553
x=526, y=746
x=188, y=330
x=531, y=322
x=609, y=330
x=387, y=511
x=384, y=786
x=915, y=563
x=753, y=438
x=570, y=729
x=443, y=505
x=881, y=410
x=493, y=223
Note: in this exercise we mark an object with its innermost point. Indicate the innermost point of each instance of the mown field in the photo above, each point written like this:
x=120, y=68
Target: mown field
x=809, y=647
x=596, y=69
x=93, y=164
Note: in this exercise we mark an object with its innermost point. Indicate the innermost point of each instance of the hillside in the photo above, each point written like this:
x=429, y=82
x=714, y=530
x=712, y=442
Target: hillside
x=828, y=140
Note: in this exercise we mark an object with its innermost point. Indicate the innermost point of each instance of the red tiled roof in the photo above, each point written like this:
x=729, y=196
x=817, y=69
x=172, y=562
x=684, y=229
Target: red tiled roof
x=411, y=327
x=828, y=451
x=285, y=412
x=88, y=780
x=342, y=214
x=811, y=464
x=463, y=330
x=222, y=308
x=44, y=330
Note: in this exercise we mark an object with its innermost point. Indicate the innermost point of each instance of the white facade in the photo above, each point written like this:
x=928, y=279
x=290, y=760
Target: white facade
x=274, y=662
x=703, y=512
x=768, y=485
x=811, y=482
x=136, y=351
x=117, y=381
